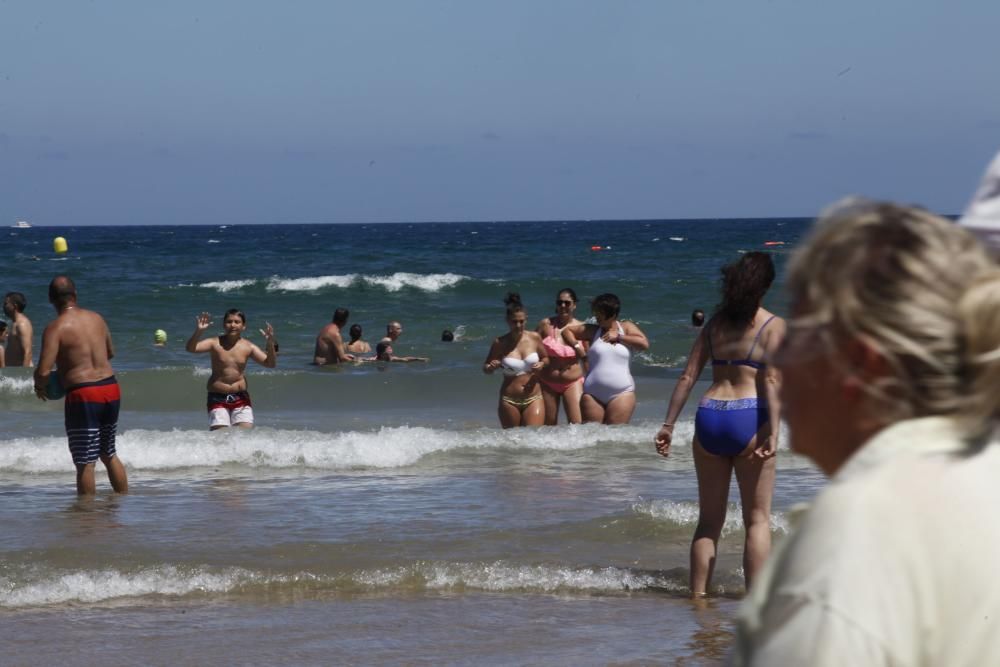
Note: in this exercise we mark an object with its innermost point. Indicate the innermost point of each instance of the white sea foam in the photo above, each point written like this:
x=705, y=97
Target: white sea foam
x=91, y=586
x=12, y=386
x=429, y=283
x=686, y=514
x=432, y=282
x=310, y=284
x=264, y=448
x=228, y=285
x=34, y=588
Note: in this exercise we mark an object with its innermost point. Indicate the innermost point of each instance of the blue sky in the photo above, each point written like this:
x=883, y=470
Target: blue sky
x=250, y=112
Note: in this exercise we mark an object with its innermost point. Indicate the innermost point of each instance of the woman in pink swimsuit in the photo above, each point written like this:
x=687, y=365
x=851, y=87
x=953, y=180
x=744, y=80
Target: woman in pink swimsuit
x=563, y=377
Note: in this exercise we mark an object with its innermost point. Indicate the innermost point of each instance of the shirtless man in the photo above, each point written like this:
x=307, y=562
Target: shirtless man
x=19, y=345
x=384, y=352
x=228, y=401
x=78, y=343
x=330, y=341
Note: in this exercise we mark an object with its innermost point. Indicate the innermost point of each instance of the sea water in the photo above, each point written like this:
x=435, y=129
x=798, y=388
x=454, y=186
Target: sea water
x=377, y=514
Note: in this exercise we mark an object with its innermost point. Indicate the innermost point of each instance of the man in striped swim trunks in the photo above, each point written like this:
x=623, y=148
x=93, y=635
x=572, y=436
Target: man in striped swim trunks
x=78, y=343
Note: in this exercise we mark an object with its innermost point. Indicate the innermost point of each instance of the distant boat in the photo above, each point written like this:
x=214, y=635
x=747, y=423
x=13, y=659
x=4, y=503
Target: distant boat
x=21, y=224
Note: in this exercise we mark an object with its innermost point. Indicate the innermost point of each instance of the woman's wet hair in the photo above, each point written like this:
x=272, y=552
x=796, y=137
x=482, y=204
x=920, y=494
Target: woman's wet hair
x=608, y=305
x=920, y=291
x=568, y=290
x=355, y=331
x=744, y=284
x=514, y=305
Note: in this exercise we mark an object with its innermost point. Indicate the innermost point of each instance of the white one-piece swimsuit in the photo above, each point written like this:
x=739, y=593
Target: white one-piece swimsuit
x=609, y=373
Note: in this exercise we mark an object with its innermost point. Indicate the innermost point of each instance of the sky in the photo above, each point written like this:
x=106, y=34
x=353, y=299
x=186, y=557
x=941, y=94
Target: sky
x=141, y=112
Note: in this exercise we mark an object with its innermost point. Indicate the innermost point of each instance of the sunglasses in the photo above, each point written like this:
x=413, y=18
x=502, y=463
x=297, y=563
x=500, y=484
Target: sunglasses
x=563, y=302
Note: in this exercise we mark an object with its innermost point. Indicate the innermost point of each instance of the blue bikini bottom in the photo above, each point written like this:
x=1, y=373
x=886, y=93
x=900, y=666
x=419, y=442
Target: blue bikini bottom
x=725, y=428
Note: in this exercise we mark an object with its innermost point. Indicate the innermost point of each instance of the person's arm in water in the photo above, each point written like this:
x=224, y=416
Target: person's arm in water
x=195, y=344
x=633, y=337
x=46, y=360
x=24, y=334
x=395, y=358
x=267, y=359
x=339, y=350
x=697, y=358
x=108, y=343
x=772, y=385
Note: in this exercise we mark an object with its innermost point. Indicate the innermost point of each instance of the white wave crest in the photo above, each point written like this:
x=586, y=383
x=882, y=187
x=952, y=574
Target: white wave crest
x=34, y=589
x=92, y=586
x=228, y=285
x=686, y=514
x=432, y=282
x=16, y=386
x=309, y=284
x=504, y=577
x=263, y=448
x=429, y=283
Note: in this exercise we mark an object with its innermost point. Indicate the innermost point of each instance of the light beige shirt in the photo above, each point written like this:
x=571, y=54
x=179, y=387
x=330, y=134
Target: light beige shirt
x=897, y=562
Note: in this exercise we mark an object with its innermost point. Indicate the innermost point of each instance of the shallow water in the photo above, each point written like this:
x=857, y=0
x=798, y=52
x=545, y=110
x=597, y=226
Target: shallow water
x=376, y=515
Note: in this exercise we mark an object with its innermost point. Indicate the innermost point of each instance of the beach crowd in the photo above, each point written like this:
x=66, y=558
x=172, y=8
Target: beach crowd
x=886, y=371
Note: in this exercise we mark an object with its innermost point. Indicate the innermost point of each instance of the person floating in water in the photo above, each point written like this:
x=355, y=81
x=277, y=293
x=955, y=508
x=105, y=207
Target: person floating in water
x=228, y=400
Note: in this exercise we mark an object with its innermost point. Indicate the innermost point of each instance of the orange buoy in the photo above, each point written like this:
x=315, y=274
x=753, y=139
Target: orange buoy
x=774, y=243
x=595, y=248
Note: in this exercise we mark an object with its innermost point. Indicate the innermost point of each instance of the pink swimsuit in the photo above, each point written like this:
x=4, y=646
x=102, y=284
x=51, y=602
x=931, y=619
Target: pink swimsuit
x=555, y=347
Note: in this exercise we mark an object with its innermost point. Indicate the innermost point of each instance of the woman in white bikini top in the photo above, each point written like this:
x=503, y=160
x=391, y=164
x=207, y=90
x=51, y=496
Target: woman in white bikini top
x=520, y=355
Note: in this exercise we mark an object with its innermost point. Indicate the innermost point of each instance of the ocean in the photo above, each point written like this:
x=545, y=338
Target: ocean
x=377, y=514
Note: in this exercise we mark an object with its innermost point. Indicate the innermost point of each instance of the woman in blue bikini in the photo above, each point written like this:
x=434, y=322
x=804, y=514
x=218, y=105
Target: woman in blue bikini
x=736, y=426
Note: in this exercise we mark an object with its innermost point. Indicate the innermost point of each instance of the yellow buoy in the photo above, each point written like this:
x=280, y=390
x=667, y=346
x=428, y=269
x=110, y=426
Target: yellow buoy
x=160, y=337
x=59, y=245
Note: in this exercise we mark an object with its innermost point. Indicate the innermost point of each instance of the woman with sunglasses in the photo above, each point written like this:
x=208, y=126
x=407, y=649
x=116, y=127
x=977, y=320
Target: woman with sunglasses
x=521, y=356
x=736, y=426
x=608, y=390
x=562, y=379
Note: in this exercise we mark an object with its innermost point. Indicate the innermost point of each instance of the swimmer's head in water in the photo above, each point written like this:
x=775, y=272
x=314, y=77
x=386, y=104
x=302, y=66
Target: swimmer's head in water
x=697, y=317
x=340, y=316
x=447, y=336
x=356, y=332
x=606, y=306
x=383, y=351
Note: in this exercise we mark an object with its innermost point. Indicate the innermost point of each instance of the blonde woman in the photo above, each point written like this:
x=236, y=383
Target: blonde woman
x=891, y=385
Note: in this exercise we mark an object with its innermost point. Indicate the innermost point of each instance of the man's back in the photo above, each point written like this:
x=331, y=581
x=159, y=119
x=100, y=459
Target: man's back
x=327, y=342
x=84, y=346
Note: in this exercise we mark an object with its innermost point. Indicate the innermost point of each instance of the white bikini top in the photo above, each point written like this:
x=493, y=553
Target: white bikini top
x=513, y=366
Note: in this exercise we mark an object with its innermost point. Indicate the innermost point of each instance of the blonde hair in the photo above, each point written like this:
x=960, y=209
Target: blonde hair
x=922, y=292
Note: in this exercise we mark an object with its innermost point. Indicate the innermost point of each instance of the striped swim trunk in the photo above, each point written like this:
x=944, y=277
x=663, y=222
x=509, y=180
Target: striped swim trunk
x=92, y=419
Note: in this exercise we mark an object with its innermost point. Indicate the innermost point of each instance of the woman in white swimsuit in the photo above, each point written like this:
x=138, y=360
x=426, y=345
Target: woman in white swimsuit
x=608, y=391
x=521, y=355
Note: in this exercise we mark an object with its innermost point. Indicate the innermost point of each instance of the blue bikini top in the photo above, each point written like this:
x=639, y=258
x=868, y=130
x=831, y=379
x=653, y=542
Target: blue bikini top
x=739, y=362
